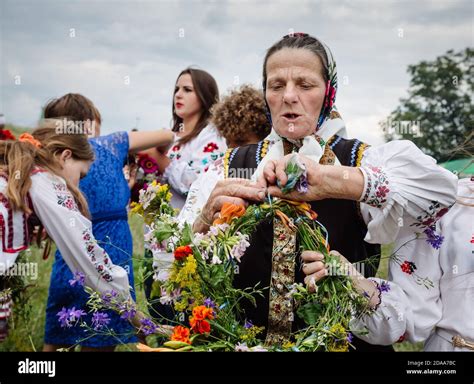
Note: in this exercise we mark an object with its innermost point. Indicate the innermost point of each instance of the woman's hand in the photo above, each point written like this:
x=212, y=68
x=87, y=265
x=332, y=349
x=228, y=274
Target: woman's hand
x=315, y=269
x=324, y=181
x=234, y=191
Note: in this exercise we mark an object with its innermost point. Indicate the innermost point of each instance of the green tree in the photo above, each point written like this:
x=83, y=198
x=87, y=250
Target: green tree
x=438, y=114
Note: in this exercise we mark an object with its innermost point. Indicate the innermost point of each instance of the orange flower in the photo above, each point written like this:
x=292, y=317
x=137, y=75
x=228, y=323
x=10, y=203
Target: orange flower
x=27, y=138
x=202, y=312
x=199, y=326
x=181, y=333
x=229, y=211
x=182, y=252
x=198, y=319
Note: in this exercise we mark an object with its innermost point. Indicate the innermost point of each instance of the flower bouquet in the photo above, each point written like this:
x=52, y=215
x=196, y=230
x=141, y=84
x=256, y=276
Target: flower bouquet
x=199, y=284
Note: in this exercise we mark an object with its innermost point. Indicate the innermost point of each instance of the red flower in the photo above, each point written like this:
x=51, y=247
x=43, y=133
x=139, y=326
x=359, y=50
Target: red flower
x=198, y=319
x=147, y=163
x=200, y=326
x=210, y=147
x=382, y=191
x=5, y=134
x=182, y=252
x=408, y=267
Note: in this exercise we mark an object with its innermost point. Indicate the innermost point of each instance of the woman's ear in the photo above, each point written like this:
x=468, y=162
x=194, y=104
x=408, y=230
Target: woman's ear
x=65, y=155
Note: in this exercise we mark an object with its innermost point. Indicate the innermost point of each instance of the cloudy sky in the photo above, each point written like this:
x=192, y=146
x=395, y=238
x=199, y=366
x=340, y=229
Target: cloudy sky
x=125, y=55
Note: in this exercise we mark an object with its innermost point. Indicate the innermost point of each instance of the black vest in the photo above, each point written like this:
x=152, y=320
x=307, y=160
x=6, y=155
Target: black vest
x=341, y=218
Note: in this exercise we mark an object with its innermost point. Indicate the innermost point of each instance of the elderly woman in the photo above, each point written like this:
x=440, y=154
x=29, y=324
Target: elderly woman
x=363, y=195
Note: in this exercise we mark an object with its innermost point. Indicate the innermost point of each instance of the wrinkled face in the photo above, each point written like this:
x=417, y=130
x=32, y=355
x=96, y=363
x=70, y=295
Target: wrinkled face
x=72, y=169
x=295, y=91
x=186, y=101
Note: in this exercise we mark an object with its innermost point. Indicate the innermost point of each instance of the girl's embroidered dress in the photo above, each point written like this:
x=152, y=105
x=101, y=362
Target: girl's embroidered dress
x=53, y=205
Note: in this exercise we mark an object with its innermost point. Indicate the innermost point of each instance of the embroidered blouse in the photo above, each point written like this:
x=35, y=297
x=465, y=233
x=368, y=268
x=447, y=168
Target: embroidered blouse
x=190, y=160
x=430, y=293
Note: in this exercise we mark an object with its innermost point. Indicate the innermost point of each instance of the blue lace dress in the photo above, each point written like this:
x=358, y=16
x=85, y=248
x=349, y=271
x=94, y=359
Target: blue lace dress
x=107, y=194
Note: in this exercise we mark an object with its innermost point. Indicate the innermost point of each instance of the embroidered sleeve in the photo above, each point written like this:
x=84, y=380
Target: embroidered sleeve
x=200, y=191
x=402, y=188
x=72, y=233
x=376, y=186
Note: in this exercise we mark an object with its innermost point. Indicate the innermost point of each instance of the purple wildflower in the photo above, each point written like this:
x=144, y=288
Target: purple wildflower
x=350, y=337
x=108, y=296
x=433, y=239
x=147, y=326
x=63, y=317
x=127, y=311
x=78, y=279
x=209, y=303
x=99, y=320
x=69, y=317
x=302, y=184
x=248, y=324
x=384, y=287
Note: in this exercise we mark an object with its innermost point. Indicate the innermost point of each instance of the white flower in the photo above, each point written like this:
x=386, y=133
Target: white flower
x=213, y=231
x=242, y=347
x=198, y=238
x=216, y=260
x=239, y=249
x=161, y=275
x=258, y=348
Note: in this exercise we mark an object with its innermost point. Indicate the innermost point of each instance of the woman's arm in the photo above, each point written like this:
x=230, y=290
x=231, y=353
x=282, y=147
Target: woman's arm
x=72, y=232
x=397, y=185
x=139, y=141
